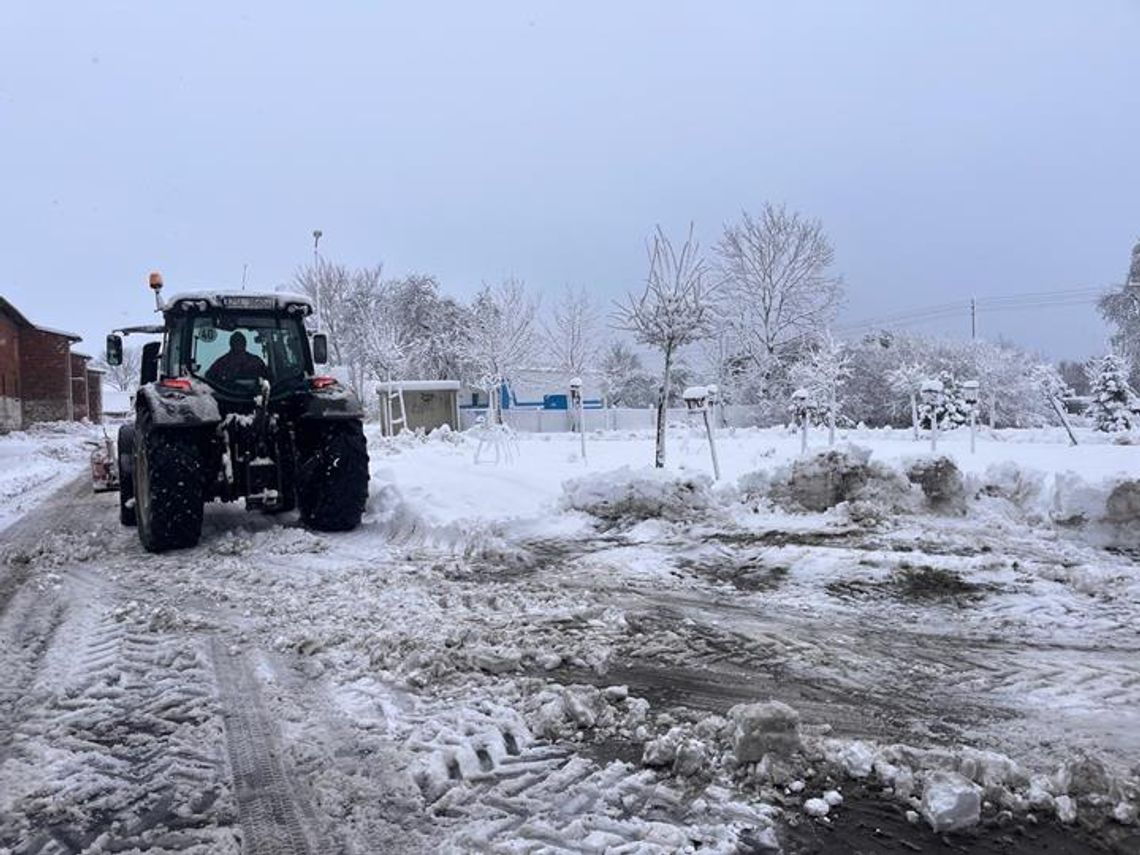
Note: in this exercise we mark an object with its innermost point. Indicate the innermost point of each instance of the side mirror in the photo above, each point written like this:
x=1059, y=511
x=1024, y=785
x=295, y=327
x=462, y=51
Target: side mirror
x=114, y=350
x=150, y=353
x=320, y=348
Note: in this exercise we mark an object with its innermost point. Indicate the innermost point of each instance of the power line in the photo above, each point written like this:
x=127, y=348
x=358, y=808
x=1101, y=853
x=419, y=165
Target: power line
x=969, y=308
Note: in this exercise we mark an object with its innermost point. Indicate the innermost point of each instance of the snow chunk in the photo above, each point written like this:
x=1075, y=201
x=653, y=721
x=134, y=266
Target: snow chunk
x=833, y=798
x=816, y=807
x=1066, y=809
x=1124, y=813
x=941, y=482
x=951, y=802
x=764, y=728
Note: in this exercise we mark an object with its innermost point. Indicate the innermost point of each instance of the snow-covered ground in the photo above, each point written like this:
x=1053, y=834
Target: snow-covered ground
x=552, y=654
x=36, y=462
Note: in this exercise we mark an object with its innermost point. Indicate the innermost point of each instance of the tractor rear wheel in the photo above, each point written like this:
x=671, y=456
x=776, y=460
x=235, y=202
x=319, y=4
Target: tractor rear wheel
x=126, y=452
x=332, y=474
x=168, y=489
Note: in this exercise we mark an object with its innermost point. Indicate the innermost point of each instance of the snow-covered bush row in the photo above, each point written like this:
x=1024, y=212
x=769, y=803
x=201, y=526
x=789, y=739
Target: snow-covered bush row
x=631, y=495
x=869, y=491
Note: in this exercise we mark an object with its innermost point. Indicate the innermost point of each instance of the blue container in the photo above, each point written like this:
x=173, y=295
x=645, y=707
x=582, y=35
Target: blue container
x=555, y=402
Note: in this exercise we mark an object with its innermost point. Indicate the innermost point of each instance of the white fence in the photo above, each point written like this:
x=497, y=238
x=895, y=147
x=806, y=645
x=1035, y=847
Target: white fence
x=614, y=418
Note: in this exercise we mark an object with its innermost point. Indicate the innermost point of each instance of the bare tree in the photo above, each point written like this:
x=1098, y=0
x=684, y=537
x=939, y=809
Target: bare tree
x=674, y=310
x=125, y=376
x=573, y=334
x=502, y=339
x=776, y=284
x=330, y=286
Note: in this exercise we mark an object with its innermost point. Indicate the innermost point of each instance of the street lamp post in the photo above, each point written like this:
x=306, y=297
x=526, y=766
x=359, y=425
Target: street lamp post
x=970, y=394
x=317, y=234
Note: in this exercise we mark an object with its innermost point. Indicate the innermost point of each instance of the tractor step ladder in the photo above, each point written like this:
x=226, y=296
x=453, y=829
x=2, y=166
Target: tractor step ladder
x=395, y=396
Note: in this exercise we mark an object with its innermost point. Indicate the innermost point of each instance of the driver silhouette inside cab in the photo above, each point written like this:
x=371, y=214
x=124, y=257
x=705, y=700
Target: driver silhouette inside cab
x=237, y=364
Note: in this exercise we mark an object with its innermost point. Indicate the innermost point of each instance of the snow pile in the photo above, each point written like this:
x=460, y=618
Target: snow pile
x=573, y=712
x=627, y=496
x=829, y=478
x=1014, y=483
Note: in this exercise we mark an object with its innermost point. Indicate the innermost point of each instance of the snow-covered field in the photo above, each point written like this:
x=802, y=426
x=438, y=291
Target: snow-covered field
x=558, y=654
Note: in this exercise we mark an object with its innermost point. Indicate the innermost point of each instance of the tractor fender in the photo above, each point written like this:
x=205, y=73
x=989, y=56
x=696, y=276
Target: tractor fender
x=175, y=408
x=332, y=403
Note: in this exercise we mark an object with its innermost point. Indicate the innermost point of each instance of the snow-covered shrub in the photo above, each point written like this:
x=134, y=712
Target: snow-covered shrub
x=941, y=482
x=631, y=495
x=1113, y=407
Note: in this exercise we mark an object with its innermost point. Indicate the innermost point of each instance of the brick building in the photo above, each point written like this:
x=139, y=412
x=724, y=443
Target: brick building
x=41, y=379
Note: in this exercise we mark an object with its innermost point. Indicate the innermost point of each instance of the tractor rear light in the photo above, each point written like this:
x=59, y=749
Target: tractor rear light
x=179, y=384
x=322, y=382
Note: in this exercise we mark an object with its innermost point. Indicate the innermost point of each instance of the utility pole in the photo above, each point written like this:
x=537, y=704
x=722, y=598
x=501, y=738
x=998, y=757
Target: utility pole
x=317, y=274
x=973, y=319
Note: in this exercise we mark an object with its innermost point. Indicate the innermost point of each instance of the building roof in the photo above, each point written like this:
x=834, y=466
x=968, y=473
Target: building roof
x=12, y=312
x=62, y=333
x=419, y=386
x=22, y=321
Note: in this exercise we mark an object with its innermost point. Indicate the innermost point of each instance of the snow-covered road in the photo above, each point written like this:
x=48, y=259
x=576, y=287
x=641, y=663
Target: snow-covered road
x=461, y=680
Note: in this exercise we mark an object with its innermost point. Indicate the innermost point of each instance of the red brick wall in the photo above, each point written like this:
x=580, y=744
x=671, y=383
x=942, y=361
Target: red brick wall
x=95, y=396
x=78, y=387
x=10, y=418
x=45, y=376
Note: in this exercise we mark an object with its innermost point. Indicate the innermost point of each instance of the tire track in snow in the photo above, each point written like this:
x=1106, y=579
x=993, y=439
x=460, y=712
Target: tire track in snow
x=271, y=820
x=120, y=745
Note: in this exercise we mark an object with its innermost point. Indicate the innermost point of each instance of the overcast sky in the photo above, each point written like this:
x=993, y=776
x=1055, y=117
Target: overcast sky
x=950, y=149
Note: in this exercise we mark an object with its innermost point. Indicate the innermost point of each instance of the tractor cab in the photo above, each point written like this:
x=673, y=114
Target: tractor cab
x=237, y=343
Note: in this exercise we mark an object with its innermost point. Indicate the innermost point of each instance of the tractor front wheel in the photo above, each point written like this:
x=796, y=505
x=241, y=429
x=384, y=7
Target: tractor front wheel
x=332, y=474
x=126, y=452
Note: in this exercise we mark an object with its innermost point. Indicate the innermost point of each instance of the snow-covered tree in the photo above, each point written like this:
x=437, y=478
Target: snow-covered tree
x=777, y=289
x=952, y=411
x=905, y=381
x=674, y=310
x=625, y=382
x=573, y=332
x=433, y=328
x=502, y=340
x=329, y=286
x=822, y=374
x=1114, y=406
x=1120, y=308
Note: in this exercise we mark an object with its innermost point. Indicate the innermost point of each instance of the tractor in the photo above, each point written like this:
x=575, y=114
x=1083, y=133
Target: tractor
x=230, y=407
